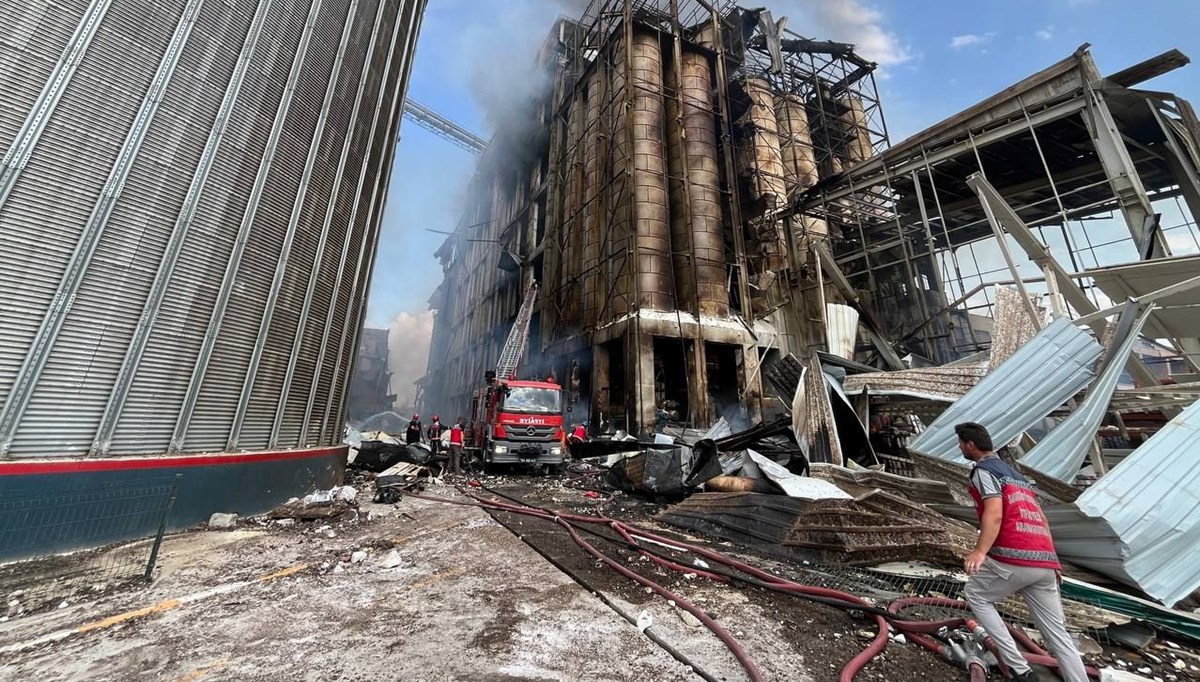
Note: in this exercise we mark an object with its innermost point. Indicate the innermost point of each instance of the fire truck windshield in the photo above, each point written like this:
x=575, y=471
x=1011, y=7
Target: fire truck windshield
x=533, y=400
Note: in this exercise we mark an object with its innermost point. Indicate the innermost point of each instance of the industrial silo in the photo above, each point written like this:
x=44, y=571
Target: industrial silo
x=190, y=198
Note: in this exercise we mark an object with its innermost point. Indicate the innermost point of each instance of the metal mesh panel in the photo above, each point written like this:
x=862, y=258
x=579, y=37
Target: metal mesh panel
x=110, y=302
x=33, y=35
x=63, y=180
x=162, y=378
x=243, y=320
x=309, y=251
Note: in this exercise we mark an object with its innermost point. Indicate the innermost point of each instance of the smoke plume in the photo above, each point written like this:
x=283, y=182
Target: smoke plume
x=408, y=352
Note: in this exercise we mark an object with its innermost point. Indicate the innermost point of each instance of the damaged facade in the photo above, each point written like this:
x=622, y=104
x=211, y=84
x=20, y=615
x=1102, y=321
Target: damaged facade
x=645, y=195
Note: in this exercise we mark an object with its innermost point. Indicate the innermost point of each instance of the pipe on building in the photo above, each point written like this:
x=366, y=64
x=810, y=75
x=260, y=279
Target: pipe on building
x=697, y=227
x=592, y=186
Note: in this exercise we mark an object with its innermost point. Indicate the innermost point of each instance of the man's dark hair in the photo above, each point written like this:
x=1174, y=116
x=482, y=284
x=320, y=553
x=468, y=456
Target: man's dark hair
x=971, y=432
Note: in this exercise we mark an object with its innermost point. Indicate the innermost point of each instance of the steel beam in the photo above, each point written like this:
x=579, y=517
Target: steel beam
x=1005, y=219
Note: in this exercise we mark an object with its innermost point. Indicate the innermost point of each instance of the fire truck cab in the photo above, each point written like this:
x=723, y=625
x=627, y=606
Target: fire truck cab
x=518, y=422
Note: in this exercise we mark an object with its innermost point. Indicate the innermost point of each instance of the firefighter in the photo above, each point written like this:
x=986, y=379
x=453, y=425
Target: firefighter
x=579, y=433
x=456, y=446
x=413, y=435
x=435, y=435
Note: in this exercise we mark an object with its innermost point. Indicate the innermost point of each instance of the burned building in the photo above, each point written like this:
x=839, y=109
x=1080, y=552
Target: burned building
x=645, y=193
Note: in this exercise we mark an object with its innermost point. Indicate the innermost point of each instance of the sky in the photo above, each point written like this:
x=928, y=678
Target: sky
x=936, y=58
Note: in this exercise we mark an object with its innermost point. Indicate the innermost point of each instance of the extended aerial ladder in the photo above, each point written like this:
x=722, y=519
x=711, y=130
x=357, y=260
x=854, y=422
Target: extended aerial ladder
x=514, y=347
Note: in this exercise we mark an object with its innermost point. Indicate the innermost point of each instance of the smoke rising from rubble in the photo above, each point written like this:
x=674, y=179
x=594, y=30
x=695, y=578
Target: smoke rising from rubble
x=409, y=337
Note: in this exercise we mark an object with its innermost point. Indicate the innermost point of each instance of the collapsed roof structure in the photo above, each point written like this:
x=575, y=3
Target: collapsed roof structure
x=702, y=193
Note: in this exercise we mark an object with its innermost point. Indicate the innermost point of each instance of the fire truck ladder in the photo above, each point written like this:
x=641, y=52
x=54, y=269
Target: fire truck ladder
x=514, y=348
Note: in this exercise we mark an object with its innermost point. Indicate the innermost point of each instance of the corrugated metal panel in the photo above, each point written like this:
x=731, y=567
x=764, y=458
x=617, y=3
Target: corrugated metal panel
x=140, y=305
x=220, y=378
x=1178, y=315
x=1061, y=452
x=33, y=35
x=1140, y=523
x=841, y=329
x=276, y=337
x=365, y=223
x=932, y=383
x=1055, y=365
x=105, y=281
x=293, y=409
x=162, y=379
x=203, y=78
x=61, y=185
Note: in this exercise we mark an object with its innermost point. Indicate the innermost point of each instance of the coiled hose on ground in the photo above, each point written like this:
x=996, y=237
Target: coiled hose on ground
x=919, y=632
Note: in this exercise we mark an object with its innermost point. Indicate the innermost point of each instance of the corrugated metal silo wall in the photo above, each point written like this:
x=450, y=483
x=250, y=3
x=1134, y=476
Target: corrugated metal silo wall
x=190, y=199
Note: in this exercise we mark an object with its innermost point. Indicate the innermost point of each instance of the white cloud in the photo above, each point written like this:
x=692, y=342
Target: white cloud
x=969, y=39
x=849, y=21
x=1046, y=33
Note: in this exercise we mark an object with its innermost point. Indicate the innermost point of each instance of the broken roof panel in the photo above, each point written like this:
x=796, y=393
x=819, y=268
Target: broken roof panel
x=1055, y=365
x=1178, y=315
x=1140, y=523
x=931, y=383
x=1061, y=452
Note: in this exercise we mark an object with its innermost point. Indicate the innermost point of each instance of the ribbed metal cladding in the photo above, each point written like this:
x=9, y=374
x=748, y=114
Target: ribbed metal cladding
x=652, y=203
x=48, y=25
x=697, y=230
x=389, y=114
x=147, y=139
x=365, y=155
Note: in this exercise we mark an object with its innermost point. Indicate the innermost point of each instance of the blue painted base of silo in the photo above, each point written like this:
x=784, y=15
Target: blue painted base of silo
x=49, y=506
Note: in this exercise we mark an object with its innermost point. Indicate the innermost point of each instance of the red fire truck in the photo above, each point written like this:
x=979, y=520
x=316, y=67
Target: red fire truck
x=516, y=421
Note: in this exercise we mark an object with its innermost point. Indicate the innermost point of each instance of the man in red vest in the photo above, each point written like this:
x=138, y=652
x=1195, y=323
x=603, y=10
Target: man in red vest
x=456, y=446
x=1014, y=554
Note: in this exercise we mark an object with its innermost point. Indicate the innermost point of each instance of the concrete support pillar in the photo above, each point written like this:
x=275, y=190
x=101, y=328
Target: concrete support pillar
x=639, y=368
x=600, y=397
x=750, y=381
x=697, y=372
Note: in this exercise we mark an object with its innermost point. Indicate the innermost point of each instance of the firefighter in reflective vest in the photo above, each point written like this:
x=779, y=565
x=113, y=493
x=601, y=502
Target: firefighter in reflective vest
x=1014, y=554
x=435, y=435
x=456, y=446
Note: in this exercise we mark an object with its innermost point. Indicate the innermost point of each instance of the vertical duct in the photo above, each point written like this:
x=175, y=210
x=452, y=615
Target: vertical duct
x=697, y=230
x=650, y=211
x=592, y=185
x=571, y=240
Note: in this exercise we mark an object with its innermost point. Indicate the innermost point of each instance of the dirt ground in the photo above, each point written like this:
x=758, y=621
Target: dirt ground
x=432, y=591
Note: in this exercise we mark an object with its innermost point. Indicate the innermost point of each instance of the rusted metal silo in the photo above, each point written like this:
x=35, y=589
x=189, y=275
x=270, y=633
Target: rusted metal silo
x=767, y=172
x=697, y=230
x=795, y=144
